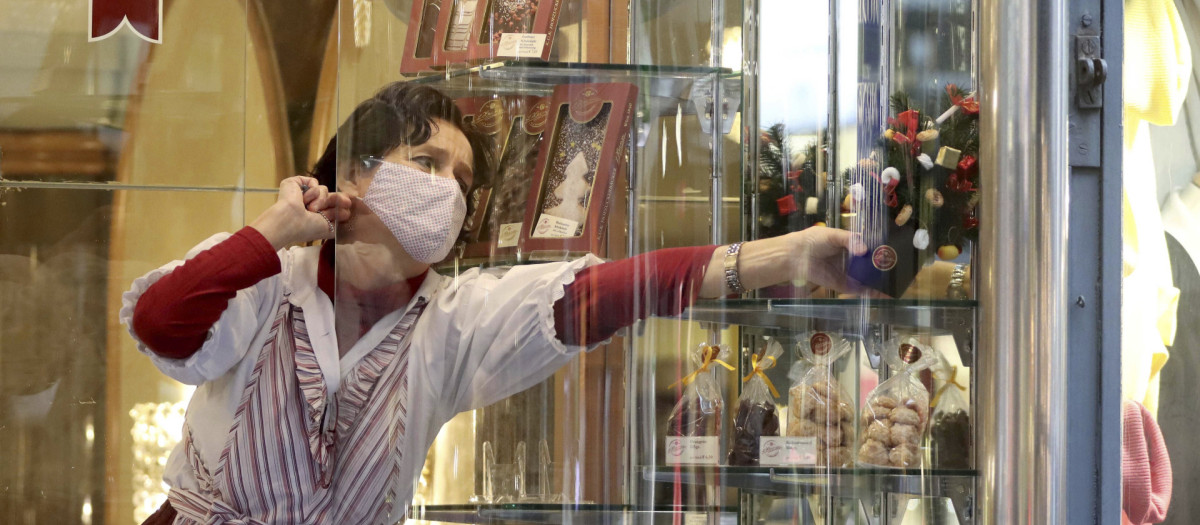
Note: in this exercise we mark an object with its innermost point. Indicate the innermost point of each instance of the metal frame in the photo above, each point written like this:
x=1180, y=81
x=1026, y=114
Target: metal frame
x=1023, y=276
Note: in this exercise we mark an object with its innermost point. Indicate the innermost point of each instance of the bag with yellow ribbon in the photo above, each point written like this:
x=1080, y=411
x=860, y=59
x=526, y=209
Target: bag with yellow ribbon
x=698, y=412
x=756, y=415
x=897, y=412
x=950, y=435
x=818, y=406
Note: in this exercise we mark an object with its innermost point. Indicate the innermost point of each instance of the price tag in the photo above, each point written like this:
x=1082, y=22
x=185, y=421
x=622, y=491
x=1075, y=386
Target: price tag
x=553, y=227
x=509, y=234
x=521, y=45
x=695, y=518
x=787, y=451
x=692, y=450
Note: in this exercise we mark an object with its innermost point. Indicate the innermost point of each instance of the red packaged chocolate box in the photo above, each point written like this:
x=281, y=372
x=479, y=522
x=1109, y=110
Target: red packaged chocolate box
x=579, y=169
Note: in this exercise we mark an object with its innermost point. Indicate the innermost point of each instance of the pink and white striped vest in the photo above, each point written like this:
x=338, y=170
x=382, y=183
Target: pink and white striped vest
x=298, y=455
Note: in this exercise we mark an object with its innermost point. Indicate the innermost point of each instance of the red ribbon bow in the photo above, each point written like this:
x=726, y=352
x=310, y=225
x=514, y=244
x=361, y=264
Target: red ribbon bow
x=960, y=180
x=144, y=17
x=968, y=104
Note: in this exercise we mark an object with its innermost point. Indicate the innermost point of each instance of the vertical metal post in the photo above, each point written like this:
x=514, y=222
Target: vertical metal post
x=749, y=122
x=717, y=37
x=1022, y=265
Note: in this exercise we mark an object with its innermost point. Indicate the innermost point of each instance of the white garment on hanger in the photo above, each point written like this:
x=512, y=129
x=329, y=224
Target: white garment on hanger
x=1181, y=218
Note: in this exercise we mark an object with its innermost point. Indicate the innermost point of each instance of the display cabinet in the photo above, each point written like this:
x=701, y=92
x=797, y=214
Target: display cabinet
x=746, y=120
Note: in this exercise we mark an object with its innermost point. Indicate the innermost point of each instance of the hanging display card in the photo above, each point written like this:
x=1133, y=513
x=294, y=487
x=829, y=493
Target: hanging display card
x=517, y=127
x=578, y=169
x=456, y=40
x=427, y=23
x=514, y=29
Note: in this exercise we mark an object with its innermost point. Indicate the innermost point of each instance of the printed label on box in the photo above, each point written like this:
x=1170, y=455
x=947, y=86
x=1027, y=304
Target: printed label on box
x=787, y=451
x=553, y=227
x=521, y=45
x=509, y=234
x=692, y=450
x=695, y=518
x=460, y=26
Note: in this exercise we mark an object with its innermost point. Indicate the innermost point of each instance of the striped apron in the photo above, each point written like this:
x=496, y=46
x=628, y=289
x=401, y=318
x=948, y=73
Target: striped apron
x=296, y=454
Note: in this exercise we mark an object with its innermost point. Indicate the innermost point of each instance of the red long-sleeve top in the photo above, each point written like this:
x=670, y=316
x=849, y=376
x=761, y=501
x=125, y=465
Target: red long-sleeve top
x=174, y=315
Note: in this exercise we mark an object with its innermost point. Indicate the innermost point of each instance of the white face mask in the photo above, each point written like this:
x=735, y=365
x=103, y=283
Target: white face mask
x=424, y=211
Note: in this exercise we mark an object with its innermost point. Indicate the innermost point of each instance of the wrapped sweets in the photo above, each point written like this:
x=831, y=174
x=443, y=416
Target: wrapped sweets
x=698, y=412
x=756, y=416
x=817, y=405
x=897, y=413
x=950, y=431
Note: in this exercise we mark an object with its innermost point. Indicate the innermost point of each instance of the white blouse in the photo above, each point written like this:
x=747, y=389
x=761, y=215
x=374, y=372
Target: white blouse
x=484, y=336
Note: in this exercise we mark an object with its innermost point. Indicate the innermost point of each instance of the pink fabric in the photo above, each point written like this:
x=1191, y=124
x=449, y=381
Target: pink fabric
x=1145, y=468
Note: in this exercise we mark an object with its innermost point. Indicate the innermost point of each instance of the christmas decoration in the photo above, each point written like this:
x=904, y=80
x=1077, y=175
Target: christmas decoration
x=787, y=187
x=948, y=252
x=921, y=239
x=924, y=176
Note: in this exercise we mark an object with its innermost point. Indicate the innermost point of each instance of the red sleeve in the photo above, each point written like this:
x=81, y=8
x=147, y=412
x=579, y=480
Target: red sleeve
x=610, y=296
x=174, y=315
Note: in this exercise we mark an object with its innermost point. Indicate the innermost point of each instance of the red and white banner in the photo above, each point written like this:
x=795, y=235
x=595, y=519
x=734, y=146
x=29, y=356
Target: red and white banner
x=143, y=17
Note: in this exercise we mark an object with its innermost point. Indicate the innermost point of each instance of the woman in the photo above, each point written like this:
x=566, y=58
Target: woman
x=301, y=415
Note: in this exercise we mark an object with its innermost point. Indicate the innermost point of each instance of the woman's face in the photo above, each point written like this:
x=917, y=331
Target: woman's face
x=447, y=154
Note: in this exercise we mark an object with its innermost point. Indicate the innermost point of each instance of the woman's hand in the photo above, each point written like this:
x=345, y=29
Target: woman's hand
x=821, y=256
x=816, y=255
x=305, y=211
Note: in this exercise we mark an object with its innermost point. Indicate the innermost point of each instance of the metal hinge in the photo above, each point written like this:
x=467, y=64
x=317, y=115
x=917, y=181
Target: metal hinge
x=1090, y=72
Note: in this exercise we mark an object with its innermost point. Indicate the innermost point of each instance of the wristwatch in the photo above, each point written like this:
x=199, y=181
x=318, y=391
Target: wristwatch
x=957, y=289
x=733, y=280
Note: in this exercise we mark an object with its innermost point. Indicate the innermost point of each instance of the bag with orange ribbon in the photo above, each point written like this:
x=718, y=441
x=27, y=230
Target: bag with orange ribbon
x=950, y=434
x=897, y=412
x=756, y=416
x=698, y=412
x=818, y=406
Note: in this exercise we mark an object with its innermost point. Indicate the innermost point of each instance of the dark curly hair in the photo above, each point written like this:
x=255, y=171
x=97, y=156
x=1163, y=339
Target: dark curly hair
x=399, y=114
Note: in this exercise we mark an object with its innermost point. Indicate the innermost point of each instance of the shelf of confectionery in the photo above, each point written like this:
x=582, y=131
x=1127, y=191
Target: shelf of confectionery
x=793, y=480
x=787, y=316
x=862, y=484
x=558, y=513
x=663, y=89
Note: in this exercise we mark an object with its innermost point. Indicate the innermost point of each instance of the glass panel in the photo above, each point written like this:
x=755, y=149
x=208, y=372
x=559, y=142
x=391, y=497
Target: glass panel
x=80, y=398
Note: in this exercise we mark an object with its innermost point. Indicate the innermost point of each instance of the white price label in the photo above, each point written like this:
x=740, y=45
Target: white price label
x=692, y=450
x=521, y=45
x=509, y=234
x=787, y=451
x=553, y=227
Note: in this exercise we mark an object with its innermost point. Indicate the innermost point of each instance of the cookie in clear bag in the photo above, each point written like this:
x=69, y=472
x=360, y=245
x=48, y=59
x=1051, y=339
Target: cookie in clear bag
x=896, y=416
x=818, y=406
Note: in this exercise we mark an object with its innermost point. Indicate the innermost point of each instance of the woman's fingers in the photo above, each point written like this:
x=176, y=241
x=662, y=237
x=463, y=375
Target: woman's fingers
x=315, y=198
x=336, y=206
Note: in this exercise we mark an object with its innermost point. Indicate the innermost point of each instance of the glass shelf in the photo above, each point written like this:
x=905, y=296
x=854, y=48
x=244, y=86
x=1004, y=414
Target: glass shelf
x=662, y=88
x=799, y=480
x=784, y=316
x=557, y=513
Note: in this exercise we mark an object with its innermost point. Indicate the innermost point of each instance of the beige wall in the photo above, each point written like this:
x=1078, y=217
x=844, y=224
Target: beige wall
x=203, y=116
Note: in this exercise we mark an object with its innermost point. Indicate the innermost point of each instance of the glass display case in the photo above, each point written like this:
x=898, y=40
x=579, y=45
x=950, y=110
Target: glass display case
x=620, y=127
x=763, y=126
